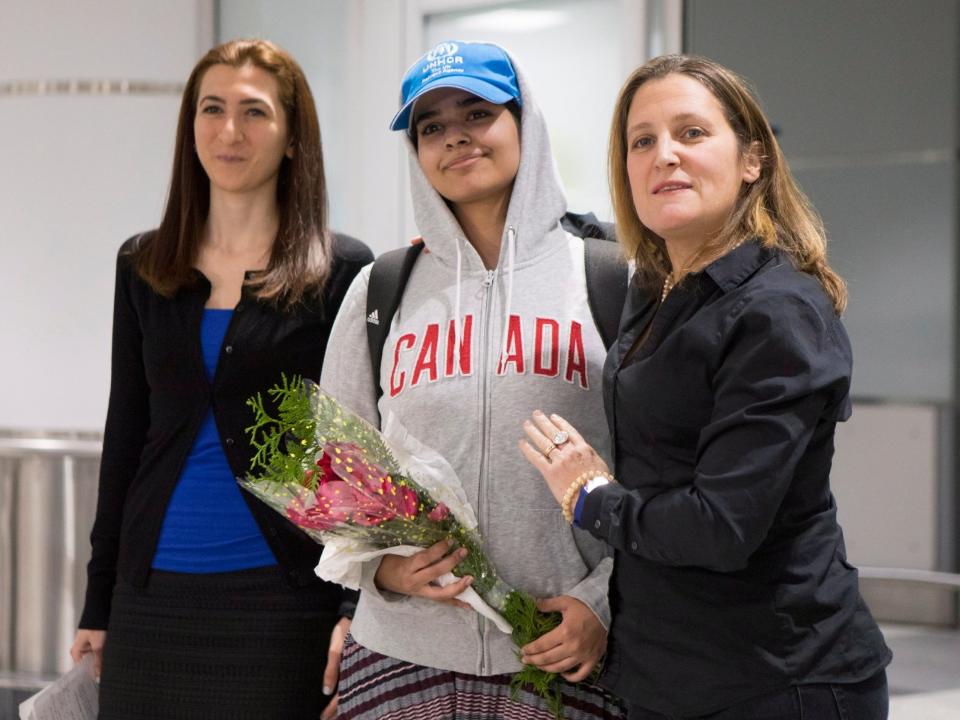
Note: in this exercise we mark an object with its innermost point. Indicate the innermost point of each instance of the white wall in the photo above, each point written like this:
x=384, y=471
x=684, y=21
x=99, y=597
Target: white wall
x=885, y=480
x=866, y=95
x=353, y=53
x=79, y=174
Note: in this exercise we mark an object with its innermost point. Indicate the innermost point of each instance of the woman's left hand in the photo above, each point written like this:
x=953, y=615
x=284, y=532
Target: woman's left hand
x=559, y=463
x=574, y=647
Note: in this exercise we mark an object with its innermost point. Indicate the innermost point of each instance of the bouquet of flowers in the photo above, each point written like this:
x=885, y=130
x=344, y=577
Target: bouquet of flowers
x=363, y=493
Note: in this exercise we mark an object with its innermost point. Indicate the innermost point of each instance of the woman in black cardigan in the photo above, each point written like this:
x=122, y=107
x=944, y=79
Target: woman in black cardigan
x=731, y=594
x=201, y=601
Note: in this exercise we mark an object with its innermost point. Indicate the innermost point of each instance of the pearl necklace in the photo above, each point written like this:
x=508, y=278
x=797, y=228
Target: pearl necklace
x=669, y=283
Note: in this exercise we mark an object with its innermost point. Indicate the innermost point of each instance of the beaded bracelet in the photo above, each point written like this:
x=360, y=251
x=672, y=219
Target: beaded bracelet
x=567, y=503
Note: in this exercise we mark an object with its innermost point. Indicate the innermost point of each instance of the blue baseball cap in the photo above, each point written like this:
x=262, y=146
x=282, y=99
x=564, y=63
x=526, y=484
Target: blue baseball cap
x=479, y=68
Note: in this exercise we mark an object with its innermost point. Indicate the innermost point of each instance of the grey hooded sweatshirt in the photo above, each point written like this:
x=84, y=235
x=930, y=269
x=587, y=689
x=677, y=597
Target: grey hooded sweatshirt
x=470, y=354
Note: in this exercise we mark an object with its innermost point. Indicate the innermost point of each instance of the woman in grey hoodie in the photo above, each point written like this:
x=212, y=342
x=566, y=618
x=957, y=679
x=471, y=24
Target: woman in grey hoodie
x=494, y=320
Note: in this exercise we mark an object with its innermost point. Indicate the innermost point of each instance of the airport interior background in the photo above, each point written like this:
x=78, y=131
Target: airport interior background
x=865, y=98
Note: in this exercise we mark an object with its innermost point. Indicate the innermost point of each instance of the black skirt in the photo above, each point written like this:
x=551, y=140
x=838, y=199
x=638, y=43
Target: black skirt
x=227, y=645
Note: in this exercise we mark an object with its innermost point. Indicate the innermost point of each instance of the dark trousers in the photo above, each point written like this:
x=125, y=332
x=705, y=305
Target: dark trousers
x=866, y=700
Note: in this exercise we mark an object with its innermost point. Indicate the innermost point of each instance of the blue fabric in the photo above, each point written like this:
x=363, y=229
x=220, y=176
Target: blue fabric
x=208, y=526
x=578, y=508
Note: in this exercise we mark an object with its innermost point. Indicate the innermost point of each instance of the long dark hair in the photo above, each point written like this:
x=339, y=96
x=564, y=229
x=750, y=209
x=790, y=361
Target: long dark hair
x=300, y=257
x=772, y=208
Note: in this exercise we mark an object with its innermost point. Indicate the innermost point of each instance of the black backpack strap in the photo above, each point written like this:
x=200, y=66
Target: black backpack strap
x=388, y=278
x=606, y=271
x=586, y=225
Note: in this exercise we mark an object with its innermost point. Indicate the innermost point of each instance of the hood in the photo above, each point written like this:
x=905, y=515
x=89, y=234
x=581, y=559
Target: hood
x=536, y=204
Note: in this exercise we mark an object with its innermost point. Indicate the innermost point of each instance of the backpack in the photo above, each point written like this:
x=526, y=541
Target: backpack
x=605, y=269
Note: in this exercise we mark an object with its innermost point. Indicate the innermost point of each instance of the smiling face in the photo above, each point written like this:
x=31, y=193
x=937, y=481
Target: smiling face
x=684, y=161
x=469, y=148
x=240, y=128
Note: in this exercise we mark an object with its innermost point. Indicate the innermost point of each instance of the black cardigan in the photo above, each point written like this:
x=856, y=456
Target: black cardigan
x=730, y=576
x=159, y=395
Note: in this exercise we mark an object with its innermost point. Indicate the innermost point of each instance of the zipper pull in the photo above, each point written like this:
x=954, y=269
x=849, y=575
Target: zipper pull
x=488, y=280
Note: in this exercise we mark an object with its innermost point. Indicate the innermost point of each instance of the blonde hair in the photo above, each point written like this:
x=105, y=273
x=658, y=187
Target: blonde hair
x=773, y=208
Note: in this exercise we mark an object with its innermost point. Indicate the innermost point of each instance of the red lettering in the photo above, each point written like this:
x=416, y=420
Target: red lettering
x=396, y=383
x=552, y=350
x=466, y=331
x=576, y=358
x=514, y=347
x=427, y=359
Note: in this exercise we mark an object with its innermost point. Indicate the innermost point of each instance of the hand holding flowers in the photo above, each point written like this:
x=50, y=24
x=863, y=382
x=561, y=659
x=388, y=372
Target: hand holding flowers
x=419, y=573
x=574, y=647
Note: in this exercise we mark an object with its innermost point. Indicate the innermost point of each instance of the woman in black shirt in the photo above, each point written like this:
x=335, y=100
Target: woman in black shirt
x=731, y=594
x=202, y=601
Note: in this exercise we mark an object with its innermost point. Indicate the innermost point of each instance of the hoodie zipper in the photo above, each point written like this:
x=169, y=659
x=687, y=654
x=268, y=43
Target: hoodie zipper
x=484, y=432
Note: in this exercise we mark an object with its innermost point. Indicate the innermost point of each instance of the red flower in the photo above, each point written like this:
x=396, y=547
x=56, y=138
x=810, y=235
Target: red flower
x=439, y=513
x=408, y=503
x=324, y=468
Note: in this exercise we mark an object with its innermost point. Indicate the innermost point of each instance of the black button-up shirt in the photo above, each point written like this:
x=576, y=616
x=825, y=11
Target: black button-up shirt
x=159, y=395
x=730, y=576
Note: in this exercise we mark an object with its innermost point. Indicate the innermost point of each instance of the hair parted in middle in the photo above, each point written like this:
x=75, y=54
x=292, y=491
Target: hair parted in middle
x=301, y=254
x=772, y=208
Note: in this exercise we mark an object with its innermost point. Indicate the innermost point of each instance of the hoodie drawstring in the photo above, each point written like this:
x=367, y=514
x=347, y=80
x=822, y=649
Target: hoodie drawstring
x=511, y=257
x=457, y=325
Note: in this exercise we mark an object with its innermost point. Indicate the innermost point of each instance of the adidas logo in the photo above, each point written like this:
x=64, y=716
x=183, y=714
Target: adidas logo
x=373, y=318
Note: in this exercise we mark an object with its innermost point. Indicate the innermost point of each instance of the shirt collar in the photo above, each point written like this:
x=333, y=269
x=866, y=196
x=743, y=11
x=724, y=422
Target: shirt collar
x=731, y=270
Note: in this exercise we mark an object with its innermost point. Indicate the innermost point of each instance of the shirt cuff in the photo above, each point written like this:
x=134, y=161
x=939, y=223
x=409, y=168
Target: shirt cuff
x=599, y=508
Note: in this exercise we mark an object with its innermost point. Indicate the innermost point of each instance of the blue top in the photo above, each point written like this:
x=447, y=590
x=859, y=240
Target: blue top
x=208, y=526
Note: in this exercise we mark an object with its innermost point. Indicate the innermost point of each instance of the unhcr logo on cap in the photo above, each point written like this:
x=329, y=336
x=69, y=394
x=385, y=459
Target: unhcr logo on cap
x=441, y=58
x=444, y=48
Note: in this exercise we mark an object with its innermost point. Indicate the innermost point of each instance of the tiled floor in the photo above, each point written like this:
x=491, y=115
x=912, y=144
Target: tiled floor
x=925, y=673
x=926, y=706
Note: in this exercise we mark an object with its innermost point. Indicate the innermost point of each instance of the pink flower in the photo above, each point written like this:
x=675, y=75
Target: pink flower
x=352, y=490
x=370, y=510
x=336, y=503
x=346, y=460
x=309, y=512
x=440, y=512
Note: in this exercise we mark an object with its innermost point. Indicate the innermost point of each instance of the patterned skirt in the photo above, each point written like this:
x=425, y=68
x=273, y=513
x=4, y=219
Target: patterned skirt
x=234, y=646
x=377, y=687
